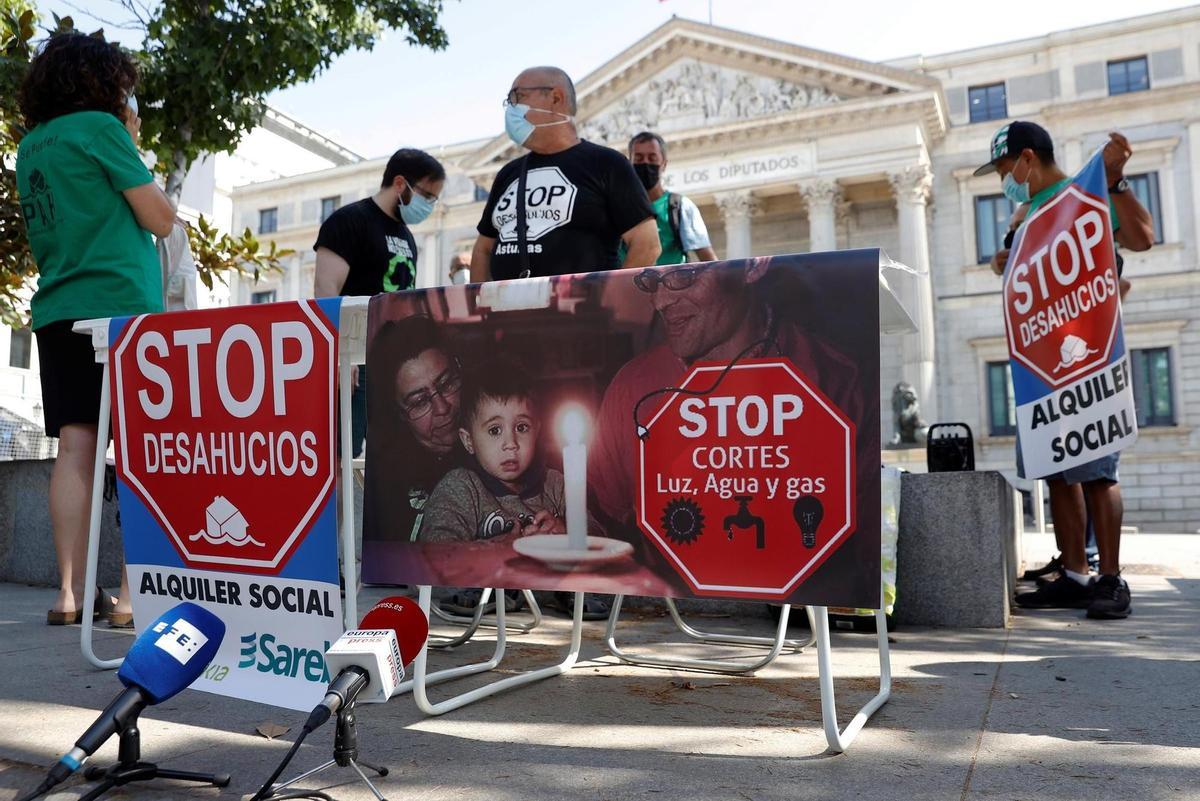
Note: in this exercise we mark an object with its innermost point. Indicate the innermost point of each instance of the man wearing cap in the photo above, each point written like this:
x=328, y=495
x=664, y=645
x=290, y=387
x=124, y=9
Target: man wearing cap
x=1023, y=156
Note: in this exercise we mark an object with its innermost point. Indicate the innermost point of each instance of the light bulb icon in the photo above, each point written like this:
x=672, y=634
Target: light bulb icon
x=808, y=512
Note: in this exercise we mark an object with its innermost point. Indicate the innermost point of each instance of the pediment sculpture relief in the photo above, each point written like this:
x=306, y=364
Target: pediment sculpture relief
x=692, y=95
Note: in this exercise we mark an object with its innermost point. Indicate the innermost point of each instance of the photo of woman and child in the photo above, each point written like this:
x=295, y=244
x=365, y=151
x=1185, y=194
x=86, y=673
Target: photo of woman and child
x=465, y=445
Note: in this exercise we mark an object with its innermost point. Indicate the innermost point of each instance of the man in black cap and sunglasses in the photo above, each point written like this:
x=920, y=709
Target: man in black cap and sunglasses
x=1022, y=154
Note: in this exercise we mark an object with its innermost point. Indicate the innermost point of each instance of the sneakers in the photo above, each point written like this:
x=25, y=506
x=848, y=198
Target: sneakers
x=464, y=602
x=1062, y=593
x=1110, y=599
x=1053, y=566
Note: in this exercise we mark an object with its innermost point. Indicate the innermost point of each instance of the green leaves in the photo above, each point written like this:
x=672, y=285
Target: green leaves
x=217, y=253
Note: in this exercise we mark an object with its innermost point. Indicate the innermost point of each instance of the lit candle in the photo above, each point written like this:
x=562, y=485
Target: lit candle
x=573, y=428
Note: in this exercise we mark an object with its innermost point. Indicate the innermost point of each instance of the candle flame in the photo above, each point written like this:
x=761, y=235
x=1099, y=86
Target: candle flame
x=573, y=424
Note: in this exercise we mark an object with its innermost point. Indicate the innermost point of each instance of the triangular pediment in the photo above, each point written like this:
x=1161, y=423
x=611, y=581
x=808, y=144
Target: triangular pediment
x=687, y=76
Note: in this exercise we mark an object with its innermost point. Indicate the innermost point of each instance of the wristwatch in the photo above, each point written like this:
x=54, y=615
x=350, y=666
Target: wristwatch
x=1119, y=188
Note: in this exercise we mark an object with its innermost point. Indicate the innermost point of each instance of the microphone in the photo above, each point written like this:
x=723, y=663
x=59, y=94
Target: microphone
x=371, y=658
x=165, y=658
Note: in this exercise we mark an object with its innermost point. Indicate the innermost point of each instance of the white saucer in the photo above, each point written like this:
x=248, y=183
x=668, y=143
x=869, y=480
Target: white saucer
x=554, y=551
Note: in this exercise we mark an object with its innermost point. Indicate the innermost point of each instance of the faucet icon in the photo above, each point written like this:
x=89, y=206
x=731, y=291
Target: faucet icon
x=743, y=519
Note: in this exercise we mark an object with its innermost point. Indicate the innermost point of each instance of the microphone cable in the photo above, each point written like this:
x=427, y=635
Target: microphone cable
x=265, y=794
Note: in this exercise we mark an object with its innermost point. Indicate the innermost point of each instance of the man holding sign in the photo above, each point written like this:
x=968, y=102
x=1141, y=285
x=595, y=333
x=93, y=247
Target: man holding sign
x=1071, y=375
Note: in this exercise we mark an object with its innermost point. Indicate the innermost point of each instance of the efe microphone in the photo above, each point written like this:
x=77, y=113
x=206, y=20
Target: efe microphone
x=168, y=656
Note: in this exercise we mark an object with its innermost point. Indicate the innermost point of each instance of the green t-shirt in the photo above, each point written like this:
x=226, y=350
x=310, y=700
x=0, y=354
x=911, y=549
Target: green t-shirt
x=672, y=250
x=93, y=258
x=1039, y=200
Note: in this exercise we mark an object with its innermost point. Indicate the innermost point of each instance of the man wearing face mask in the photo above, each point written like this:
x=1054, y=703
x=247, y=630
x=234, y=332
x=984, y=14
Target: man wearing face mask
x=1023, y=155
x=681, y=229
x=366, y=248
x=580, y=201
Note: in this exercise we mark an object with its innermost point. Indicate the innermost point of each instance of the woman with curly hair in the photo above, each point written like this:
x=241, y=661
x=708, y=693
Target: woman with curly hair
x=90, y=206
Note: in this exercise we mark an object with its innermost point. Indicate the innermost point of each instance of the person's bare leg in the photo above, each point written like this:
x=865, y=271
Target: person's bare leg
x=1070, y=523
x=70, y=504
x=1107, y=508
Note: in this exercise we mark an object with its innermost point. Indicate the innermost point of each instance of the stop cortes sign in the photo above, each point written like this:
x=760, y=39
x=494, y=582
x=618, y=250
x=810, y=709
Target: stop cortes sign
x=1061, y=293
x=747, y=486
x=224, y=426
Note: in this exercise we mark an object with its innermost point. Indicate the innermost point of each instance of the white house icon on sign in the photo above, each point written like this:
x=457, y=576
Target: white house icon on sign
x=223, y=523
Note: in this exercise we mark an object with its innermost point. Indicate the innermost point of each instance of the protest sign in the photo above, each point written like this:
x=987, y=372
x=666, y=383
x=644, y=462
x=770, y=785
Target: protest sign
x=1062, y=311
x=224, y=428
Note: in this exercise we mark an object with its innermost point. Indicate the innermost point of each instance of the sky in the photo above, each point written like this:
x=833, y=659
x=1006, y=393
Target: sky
x=398, y=95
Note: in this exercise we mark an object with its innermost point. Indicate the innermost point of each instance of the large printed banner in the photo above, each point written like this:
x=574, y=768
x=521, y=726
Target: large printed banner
x=224, y=428
x=1062, y=312
x=701, y=429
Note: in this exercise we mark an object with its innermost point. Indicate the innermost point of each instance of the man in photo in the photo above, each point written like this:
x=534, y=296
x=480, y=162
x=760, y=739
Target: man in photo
x=713, y=313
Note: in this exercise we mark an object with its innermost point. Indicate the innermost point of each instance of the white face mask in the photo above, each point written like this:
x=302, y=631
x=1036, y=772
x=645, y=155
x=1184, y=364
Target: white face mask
x=131, y=101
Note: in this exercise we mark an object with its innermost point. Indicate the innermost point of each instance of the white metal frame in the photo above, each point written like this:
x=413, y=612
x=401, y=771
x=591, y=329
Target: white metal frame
x=839, y=739
x=422, y=678
x=776, y=644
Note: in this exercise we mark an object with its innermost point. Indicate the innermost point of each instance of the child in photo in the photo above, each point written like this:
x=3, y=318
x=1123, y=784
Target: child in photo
x=506, y=491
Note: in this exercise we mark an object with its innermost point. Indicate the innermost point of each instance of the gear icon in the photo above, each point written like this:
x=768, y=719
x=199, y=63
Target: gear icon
x=683, y=521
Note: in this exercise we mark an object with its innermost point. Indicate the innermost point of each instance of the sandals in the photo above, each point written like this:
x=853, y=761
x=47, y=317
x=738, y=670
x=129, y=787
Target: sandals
x=595, y=607
x=103, y=608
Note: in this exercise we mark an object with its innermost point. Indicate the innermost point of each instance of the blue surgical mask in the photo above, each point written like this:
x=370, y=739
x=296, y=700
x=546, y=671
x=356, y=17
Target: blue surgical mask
x=1016, y=192
x=131, y=101
x=417, y=210
x=515, y=125
x=520, y=129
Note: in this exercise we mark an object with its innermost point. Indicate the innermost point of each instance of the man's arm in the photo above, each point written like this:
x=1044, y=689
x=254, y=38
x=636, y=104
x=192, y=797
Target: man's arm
x=481, y=259
x=330, y=274
x=706, y=254
x=1137, y=227
x=641, y=244
x=1136, y=230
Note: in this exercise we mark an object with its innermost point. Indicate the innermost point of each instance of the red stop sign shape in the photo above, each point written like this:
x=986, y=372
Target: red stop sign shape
x=1061, y=293
x=224, y=425
x=748, y=488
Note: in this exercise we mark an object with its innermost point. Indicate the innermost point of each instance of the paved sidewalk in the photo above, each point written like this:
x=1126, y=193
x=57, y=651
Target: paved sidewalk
x=1057, y=707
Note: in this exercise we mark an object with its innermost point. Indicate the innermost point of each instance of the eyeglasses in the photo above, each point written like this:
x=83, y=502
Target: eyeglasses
x=517, y=92
x=425, y=193
x=674, y=280
x=420, y=403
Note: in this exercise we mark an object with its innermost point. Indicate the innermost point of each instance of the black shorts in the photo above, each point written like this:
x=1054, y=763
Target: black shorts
x=71, y=378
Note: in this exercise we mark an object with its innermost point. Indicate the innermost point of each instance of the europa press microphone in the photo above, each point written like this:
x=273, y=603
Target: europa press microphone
x=370, y=664
x=168, y=656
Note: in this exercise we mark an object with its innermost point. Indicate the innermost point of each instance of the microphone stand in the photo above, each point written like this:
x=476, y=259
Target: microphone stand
x=345, y=754
x=130, y=767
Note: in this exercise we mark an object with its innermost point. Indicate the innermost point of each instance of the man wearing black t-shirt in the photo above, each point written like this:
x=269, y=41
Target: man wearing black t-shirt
x=365, y=248
x=581, y=200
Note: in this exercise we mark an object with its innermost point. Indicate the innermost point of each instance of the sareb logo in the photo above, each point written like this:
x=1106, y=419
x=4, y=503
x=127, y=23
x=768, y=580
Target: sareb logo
x=266, y=654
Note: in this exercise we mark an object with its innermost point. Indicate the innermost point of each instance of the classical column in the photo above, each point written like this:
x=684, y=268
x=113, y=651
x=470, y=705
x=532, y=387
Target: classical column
x=823, y=198
x=432, y=269
x=911, y=186
x=737, y=208
x=295, y=290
